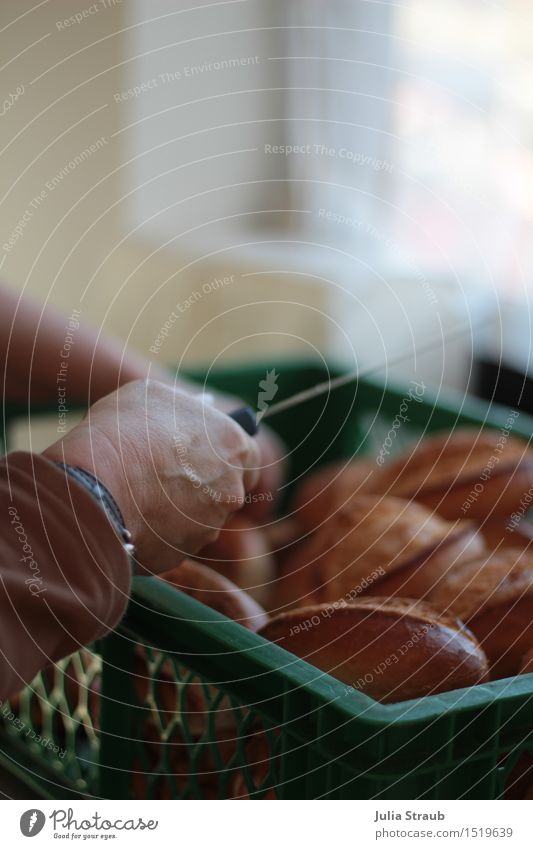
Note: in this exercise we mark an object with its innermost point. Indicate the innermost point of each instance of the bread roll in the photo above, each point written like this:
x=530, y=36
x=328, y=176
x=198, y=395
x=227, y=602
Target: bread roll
x=500, y=533
x=216, y=591
x=467, y=474
x=526, y=665
x=320, y=494
x=391, y=650
x=241, y=553
x=494, y=596
x=381, y=546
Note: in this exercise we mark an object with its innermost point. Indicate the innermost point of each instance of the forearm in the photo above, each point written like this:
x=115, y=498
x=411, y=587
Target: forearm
x=44, y=349
x=41, y=346
x=64, y=575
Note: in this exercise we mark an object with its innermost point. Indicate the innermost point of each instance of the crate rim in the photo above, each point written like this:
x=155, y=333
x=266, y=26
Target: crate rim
x=166, y=602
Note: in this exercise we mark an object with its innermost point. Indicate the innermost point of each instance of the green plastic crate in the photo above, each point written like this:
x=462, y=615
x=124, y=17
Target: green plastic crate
x=181, y=702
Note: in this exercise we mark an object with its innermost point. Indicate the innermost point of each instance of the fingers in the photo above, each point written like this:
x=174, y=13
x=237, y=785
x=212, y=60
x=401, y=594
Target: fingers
x=242, y=452
x=272, y=472
x=251, y=464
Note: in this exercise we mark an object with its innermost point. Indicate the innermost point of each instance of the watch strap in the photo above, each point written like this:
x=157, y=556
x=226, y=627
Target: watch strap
x=104, y=497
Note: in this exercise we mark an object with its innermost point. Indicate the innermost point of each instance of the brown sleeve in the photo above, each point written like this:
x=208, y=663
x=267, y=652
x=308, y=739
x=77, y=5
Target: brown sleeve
x=64, y=575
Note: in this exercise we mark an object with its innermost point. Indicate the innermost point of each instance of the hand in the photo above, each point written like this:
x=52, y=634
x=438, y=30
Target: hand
x=261, y=502
x=177, y=467
x=273, y=453
x=131, y=366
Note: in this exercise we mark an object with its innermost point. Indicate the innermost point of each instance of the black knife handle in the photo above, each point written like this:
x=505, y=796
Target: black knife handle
x=246, y=417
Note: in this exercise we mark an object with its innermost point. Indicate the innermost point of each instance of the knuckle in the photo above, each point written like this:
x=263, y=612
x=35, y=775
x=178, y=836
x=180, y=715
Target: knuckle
x=238, y=441
x=142, y=384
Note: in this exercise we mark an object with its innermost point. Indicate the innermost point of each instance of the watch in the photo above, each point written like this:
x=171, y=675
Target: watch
x=104, y=497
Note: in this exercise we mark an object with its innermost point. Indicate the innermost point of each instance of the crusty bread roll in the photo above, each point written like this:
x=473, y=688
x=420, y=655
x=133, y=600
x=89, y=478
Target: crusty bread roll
x=281, y=533
x=499, y=533
x=216, y=591
x=321, y=493
x=467, y=473
x=464, y=474
x=526, y=664
x=494, y=596
x=376, y=545
x=390, y=649
x=241, y=553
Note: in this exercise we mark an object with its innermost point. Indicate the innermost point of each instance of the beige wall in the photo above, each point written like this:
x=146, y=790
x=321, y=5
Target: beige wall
x=76, y=240
x=77, y=251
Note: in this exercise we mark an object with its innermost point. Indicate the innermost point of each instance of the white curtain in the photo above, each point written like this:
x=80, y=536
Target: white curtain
x=339, y=110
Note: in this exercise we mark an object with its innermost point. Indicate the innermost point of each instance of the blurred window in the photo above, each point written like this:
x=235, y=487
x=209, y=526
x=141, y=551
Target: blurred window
x=423, y=113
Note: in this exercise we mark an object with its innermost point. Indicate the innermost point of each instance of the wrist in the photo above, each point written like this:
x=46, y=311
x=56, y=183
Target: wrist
x=100, y=459
x=101, y=494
